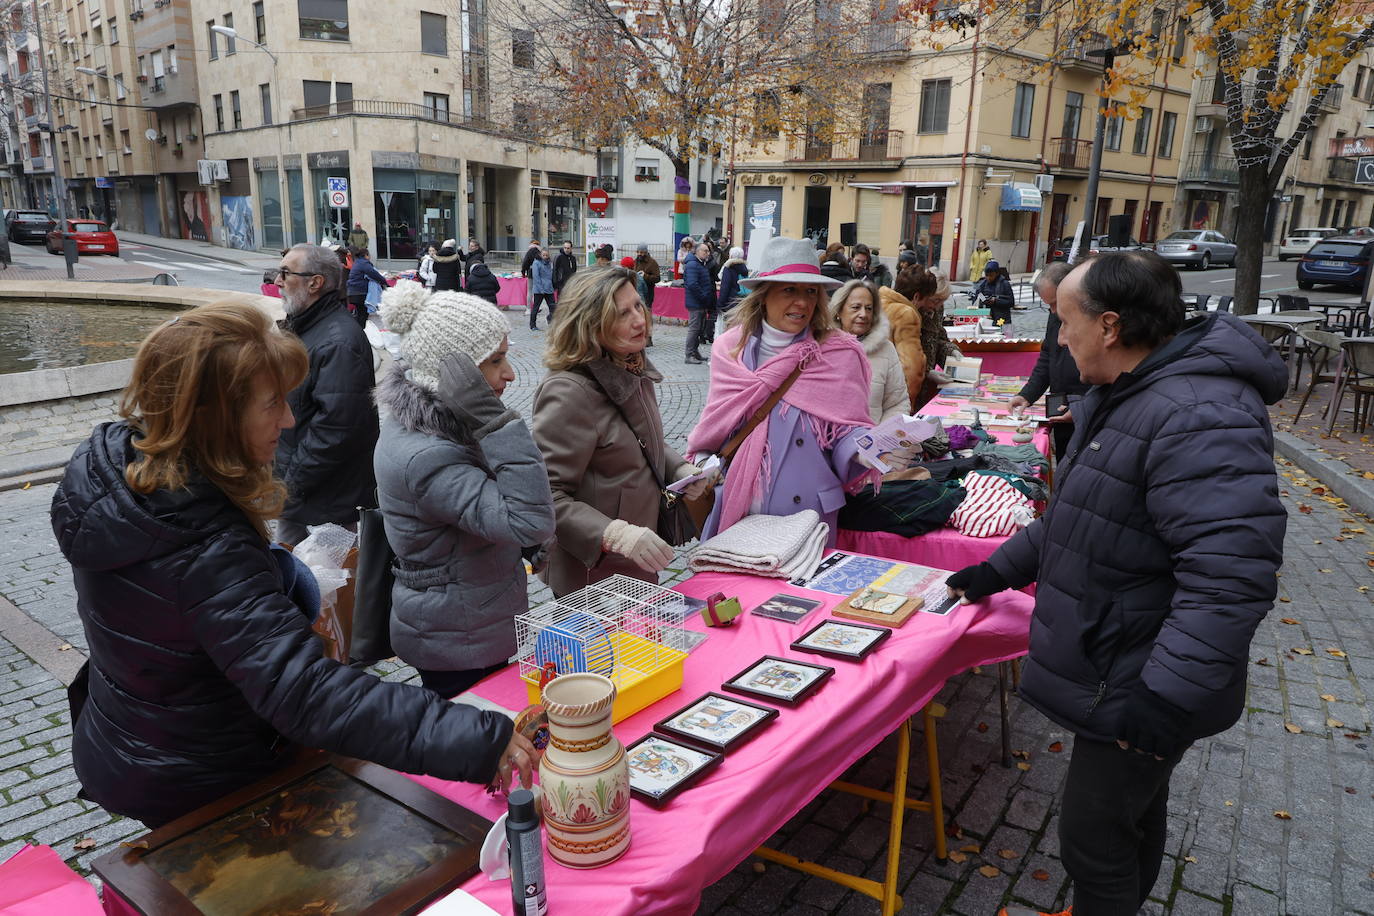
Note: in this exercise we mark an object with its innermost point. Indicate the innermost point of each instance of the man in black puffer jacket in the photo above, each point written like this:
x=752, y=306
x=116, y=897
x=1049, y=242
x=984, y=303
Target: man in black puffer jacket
x=1154, y=564
x=326, y=460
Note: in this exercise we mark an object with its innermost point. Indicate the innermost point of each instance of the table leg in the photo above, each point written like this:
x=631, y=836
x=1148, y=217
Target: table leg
x=1002, y=689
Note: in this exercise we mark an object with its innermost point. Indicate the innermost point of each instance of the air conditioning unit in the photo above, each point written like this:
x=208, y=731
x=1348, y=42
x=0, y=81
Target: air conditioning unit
x=925, y=203
x=1044, y=182
x=1202, y=125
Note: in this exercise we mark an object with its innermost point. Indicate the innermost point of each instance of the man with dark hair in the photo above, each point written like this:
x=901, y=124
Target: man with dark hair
x=699, y=295
x=1154, y=564
x=325, y=459
x=1055, y=371
x=564, y=266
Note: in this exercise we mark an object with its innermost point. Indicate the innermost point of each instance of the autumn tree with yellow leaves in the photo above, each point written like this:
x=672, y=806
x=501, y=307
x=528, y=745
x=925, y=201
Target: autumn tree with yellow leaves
x=1274, y=61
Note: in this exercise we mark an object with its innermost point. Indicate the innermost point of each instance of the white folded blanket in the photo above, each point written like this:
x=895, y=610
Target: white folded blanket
x=778, y=546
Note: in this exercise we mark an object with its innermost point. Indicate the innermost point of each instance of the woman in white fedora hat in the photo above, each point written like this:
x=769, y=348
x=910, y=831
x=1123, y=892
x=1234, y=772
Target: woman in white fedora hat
x=803, y=453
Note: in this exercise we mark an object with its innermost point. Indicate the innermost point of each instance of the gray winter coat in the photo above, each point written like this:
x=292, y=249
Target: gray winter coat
x=1157, y=557
x=457, y=514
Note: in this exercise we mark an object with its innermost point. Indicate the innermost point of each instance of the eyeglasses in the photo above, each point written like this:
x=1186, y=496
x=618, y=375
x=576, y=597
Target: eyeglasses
x=283, y=272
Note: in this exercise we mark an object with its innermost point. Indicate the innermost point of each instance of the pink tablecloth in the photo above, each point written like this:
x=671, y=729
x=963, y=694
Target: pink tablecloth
x=512, y=292
x=670, y=302
x=1010, y=363
x=702, y=833
x=36, y=882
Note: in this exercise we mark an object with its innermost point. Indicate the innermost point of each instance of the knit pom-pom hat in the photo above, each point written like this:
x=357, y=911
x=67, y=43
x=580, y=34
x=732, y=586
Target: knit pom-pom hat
x=433, y=325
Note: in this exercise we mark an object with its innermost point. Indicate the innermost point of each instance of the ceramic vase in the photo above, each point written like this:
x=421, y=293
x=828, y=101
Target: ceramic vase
x=584, y=774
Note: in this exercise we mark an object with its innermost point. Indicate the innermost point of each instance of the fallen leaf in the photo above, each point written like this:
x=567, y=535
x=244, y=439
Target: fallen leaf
x=1295, y=729
x=1352, y=736
x=1021, y=755
x=1264, y=662
x=971, y=847
x=1336, y=653
x=1288, y=620
x=989, y=871
x=1305, y=510
x=64, y=647
x=26, y=486
x=85, y=843
x=1332, y=722
x=1009, y=854
x=136, y=844
x=1283, y=815
x=1301, y=651
x=1350, y=790
x=1023, y=766
x=982, y=726
x=1362, y=589
x=1329, y=697
x=1040, y=875
x=958, y=858
x=1286, y=601
x=1323, y=570
x=1229, y=804
x=1056, y=747
x=1318, y=491
x=1192, y=859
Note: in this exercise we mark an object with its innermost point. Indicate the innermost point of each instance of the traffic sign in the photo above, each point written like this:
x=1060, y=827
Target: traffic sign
x=338, y=199
x=1364, y=170
x=598, y=200
x=338, y=184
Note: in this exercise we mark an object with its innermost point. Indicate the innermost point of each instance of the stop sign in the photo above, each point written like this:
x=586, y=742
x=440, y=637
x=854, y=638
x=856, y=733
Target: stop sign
x=598, y=201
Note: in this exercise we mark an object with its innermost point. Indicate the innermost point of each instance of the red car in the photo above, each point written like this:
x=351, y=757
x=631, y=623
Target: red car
x=92, y=237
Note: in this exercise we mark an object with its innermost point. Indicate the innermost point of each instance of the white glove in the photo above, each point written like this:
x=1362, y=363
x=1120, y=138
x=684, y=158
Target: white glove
x=641, y=546
x=697, y=489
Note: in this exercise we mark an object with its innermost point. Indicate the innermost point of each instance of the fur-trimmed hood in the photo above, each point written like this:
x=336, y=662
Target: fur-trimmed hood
x=442, y=258
x=733, y=262
x=881, y=333
x=418, y=409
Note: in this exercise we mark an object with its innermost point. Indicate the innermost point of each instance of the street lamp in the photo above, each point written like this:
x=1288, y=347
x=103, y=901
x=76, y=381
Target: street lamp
x=1108, y=55
x=119, y=83
x=229, y=32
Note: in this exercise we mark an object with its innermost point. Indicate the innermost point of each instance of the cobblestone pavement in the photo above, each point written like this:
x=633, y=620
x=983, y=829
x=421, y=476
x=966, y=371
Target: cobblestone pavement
x=1353, y=448
x=1302, y=747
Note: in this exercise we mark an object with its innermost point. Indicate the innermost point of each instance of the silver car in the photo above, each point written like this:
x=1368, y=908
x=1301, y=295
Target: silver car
x=1200, y=248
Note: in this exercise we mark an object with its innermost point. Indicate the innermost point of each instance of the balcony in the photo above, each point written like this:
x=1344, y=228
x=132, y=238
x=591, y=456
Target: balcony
x=1332, y=99
x=1076, y=57
x=1340, y=169
x=887, y=38
x=1213, y=169
x=175, y=89
x=381, y=108
x=1211, y=96
x=608, y=183
x=1070, y=153
x=876, y=147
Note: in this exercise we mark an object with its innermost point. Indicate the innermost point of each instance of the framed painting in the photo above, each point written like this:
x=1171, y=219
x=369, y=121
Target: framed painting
x=660, y=768
x=850, y=641
x=877, y=606
x=327, y=834
x=717, y=722
x=781, y=680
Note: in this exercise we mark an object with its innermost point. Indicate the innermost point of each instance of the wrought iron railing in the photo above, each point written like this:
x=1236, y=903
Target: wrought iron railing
x=855, y=146
x=1211, y=168
x=1070, y=153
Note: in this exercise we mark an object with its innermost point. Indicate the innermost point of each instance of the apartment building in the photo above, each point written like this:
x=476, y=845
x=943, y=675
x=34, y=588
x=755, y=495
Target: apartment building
x=26, y=165
x=319, y=114
x=639, y=180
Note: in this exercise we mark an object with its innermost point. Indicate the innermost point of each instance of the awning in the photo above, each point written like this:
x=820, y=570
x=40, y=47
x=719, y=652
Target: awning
x=1018, y=195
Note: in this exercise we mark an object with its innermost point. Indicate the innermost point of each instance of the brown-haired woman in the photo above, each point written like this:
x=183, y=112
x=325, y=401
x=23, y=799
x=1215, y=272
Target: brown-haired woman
x=597, y=423
x=203, y=673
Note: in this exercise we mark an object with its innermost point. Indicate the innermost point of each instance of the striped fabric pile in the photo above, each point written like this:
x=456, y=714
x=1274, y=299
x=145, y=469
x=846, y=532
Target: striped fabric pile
x=992, y=507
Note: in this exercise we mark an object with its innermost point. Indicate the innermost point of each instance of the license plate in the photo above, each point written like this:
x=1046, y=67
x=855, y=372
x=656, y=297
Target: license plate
x=1331, y=263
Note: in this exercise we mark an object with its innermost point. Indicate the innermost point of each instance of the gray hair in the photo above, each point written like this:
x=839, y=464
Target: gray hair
x=1051, y=275
x=838, y=298
x=322, y=261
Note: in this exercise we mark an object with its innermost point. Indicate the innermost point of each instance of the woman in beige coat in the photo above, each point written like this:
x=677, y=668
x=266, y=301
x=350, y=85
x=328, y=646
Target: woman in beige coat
x=854, y=308
x=596, y=421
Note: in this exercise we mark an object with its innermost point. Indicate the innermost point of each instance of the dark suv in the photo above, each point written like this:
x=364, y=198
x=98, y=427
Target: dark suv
x=28, y=225
x=1341, y=260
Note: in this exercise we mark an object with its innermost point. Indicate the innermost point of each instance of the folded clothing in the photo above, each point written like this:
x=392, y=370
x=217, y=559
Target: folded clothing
x=778, y=546
x=906, y=507
x=992, y=507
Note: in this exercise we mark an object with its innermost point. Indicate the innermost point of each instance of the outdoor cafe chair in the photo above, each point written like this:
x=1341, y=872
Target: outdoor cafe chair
x=1325, y=349
x=1355, y=373
x=1224, y=303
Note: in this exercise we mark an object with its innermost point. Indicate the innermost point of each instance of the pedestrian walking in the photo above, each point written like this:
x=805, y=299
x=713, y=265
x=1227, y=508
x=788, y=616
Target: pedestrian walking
x=358, y=237
x=730, y=292
x=564, y=266
x=204, y=674
x=325, y=458
x=531, y=255
x=474, y=251
x=1055, y=372
x=978, y=260
x=461, y=486
x=699, y=296
x=541, y=287
x=1154, y=563
x=606, y=468
x=448, y=267
x=426, y=271
x=359, y=276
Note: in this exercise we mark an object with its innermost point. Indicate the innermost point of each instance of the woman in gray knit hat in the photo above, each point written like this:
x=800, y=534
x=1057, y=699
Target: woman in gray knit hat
x=461, y=485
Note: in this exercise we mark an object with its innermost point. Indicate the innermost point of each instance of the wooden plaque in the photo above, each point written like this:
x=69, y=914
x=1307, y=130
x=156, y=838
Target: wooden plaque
x=877, y=606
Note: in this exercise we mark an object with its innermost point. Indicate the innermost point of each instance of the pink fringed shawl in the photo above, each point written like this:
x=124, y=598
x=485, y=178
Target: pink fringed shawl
x=832, y=391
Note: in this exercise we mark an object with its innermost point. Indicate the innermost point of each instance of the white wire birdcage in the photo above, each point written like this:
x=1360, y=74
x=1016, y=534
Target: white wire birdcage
x=626, y=629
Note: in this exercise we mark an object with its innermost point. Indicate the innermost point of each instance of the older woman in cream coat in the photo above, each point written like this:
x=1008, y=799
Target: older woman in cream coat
x=855, y=308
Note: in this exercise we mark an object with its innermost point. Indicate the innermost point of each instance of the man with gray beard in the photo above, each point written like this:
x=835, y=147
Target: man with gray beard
x=326, y=458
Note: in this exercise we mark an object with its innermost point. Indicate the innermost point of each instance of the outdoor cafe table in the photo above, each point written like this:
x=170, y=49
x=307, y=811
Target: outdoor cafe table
x=693, y=841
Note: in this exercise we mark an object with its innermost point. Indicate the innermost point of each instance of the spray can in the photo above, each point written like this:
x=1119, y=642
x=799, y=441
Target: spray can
x=526, y=856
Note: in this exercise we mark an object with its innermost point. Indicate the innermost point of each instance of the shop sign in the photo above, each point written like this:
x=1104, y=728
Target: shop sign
x=264, y=163
x=338, y=159
x=1352, y=146
x=388, y=159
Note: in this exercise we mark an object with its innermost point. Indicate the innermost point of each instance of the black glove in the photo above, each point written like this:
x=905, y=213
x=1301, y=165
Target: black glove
x=978, y=581
x=465, y=391
x=1151, y=723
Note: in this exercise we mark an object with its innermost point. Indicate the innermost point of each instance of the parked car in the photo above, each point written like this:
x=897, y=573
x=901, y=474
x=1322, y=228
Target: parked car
x=1200, y=248
x=1357, y=231
x=1296, y=243
x=1097, y=244
x=1340, y=260
x=28, y=225
x=92, y=237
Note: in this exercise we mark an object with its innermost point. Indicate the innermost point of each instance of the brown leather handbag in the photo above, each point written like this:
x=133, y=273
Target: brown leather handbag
x=700, y=508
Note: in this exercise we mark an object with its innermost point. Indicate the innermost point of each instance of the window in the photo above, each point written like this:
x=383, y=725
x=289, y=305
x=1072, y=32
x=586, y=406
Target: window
x=1307, y=149
x=323, y=20
x=434, y=34
x=113, y=30
x=259, y=23
x=234, y=105
x=767, y=114
x=1034, y=9
x=1073, y=113
x=219, y=113
x=646, y=170
x=1156, y=32
x=1359, y=83
x=1180, y=39
x=437, y=103
x=934, y=106
x=120, y=88
x=265, y=97
x=159, y=72
x=1023, y=110
x=1166, y=134
x=877, y=113
x=649, y=26
x=1141, y=144
x=213, y=38
x=171, y=58
x=522, y=49
x=316, y=96
x=1116, y=126
x=943, y=11
x=230, y=46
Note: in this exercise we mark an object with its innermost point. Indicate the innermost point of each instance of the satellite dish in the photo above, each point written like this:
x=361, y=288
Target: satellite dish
x=150, y=134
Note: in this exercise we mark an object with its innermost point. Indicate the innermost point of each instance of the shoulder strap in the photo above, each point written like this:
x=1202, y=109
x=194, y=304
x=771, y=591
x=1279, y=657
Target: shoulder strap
x=643, y=446
x=732, y=445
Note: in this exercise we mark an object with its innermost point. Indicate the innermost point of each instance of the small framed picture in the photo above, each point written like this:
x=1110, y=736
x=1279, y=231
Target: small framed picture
x=781, y=680
x=851, y=641
x=660, y=768
x=787, y=608
x=717, y=722
x=877, y=606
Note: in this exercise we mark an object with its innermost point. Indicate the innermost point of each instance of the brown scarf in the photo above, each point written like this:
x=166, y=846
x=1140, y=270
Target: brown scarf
x=633, y=363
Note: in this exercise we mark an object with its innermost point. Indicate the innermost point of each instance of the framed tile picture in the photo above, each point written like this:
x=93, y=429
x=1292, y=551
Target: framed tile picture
x=779, y=680
x=661, y=767
x=850, y=641
x=717, y=722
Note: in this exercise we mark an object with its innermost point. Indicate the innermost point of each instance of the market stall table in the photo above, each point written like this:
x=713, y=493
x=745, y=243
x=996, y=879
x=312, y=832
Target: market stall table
x=513, y=292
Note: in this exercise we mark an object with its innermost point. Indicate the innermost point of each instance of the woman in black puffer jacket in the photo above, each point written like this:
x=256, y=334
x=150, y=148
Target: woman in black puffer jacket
x=203, y=674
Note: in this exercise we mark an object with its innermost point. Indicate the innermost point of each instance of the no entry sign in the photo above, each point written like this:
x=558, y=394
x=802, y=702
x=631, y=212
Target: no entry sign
x=598, y=200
